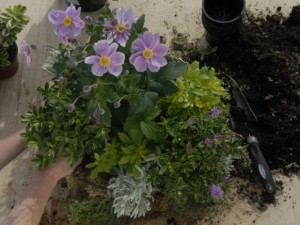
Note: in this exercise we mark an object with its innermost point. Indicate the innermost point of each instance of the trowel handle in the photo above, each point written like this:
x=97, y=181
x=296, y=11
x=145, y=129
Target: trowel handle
x=261, y=165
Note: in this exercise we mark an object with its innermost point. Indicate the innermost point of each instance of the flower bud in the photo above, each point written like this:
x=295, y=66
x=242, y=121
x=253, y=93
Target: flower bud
x=71, y=108
x=84, y=54
x=67, y=54
x=101, y=111
x=125, y=72
x=86, y=89
x=117, y=104
x=88, y=19
x=75, y=64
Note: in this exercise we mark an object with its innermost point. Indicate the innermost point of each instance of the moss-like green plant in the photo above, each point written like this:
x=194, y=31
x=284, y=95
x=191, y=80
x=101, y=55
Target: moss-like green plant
x=12, y=21
x=91, y=211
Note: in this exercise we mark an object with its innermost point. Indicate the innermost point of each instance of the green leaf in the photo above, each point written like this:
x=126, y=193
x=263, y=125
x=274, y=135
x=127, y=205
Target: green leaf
x=151, y=130
x=151, y=113
x=139, y=25
x=169, y=72
x=124, y=138
x=125, y=159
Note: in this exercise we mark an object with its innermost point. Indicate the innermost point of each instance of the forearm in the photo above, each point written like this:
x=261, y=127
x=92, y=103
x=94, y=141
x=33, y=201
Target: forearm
x=10, y=148
x=29, y=209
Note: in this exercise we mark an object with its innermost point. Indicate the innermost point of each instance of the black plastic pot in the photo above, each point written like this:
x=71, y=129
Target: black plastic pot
x=12, y=69
x=87, y=5
x=222, y=18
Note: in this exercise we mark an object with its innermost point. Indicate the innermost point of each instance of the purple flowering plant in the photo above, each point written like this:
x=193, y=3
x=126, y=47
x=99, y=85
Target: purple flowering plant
x=122, y=103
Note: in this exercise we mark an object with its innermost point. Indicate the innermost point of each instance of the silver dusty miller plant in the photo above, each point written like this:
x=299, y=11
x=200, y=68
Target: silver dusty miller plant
x=131, y=196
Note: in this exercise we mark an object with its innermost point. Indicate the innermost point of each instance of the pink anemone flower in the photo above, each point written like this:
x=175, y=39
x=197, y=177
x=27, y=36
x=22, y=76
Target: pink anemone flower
x=107, y=59
x=149, y=53
x=66, y=22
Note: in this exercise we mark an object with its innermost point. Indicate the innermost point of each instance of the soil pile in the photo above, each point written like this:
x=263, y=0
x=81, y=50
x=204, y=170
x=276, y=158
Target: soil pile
x=264, y=60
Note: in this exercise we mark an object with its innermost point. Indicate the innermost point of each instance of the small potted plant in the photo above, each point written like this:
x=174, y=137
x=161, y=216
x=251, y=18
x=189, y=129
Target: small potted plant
x=12, y=21
x=146, y=125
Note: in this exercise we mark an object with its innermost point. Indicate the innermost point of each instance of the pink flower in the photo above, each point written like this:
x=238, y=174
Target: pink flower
x=26, y=52
x=67, y=22
x=149, y=53
x=119, y=29
x=106, y=59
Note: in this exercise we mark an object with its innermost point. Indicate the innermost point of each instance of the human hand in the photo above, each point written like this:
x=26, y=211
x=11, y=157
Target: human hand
x=59, y=169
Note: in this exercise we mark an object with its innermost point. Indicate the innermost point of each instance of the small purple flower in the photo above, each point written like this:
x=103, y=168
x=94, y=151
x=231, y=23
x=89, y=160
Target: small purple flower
x=120, y=27
x=227, y=179
x=66, y=22
x=149, y=53
x=216, y=191
x=26, y=52
x=215, y=112
x=207, y=142
x=106, y=59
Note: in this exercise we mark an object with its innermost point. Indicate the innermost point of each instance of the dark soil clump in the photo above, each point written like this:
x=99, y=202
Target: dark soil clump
x=264, y=60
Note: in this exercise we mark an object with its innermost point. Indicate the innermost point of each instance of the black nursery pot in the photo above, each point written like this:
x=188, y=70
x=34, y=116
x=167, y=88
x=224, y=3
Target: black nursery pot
x=12, y=69
x=222, y=18
x=88, y=5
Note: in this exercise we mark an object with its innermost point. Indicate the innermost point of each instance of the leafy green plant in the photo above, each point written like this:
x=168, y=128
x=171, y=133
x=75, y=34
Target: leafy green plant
x=12, y=21
x=165, y=126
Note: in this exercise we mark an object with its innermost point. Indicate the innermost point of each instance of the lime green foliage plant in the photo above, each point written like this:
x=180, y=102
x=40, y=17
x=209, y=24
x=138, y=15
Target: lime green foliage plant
x=12, y=21
x=165, y=127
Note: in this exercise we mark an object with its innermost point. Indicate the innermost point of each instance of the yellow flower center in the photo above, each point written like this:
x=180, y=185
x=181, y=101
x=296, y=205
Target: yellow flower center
x=67, y=21
x=104, y=61
x=147, y=53
x=121, y=27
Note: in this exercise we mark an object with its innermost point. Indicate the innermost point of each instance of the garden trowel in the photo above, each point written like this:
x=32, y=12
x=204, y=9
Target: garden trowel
x=256, y=155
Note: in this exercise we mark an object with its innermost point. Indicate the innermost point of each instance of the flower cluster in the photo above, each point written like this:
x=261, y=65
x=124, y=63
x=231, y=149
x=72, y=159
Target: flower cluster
x=118, y=101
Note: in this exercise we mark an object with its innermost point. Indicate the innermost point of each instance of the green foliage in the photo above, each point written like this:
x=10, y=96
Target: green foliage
x=91, y=211
x=197, y=88
x=12, y=21
x=131, y=196
x=160, y=122
x=186, y=166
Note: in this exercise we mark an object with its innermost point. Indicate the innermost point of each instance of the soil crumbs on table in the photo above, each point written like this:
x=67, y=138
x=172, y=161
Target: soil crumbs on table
x=264, y=60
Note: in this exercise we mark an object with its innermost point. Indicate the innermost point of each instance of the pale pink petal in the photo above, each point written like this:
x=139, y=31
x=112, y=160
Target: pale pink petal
x=63, y=31
x=100, y=46
x=134, y=56
x=98, y=70
x=75, y=30
x=153, y=68
x=92, y=59
x=112, y=48
x=115, y=69
x=140, y=64
x=56, y=17
x=148, y=39
x=158, y=61
x=117, y=58
x=28, y=60
x=160, y=50
x=138, y=45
